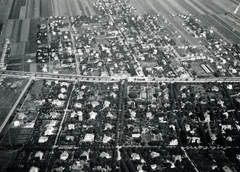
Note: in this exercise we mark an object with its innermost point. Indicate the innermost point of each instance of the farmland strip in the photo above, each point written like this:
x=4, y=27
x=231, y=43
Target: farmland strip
x=28, y=5
x=31, y=15
x=19, y=31
x=224, y=30
x=5, y=9
x=159, y=6
x=9, y=29
x=25, y=30
x=22, y=12
x=152, y=6
x=14, y=10
x=50, y=10
x=15, y=30
x=33, y=30
x=37, y=9
x=167, y=7
x=73, y=8
x=68, y=8
x=213, y=7
x=194, y=6
x=138, y=7
x=178, y=6
x=90, y=8
x=221, y=35
x=13, y=49
x=77, y=7
x=203, y=7
x=59, y=8
x=63, y=8
x=147, y=7
x=88, y=12
x=225, y=24
x=226, y=5
x=81, y=7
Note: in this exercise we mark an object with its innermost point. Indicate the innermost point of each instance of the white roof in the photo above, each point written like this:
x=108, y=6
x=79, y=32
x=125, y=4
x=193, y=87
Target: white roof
x=135, y=156
x=174, y=142
x=105, y=155
x=34, y=169
x=39, y=154
x=93, y=115
x=64, y=155
x=106, y=138
x=155, y=154
x=42, y=139
x=89, y=137
x=136, y=135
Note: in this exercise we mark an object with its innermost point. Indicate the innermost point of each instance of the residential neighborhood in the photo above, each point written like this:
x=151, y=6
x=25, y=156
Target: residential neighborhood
x=119, y=85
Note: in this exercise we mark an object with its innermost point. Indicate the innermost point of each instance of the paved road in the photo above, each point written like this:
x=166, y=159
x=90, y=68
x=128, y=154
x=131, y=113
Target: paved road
x=38, y=75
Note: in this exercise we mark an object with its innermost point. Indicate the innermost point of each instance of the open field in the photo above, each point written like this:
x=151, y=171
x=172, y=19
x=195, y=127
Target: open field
x=9, y=90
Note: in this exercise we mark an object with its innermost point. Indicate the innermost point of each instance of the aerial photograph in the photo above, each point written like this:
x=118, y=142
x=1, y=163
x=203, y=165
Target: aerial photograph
x=119, y=85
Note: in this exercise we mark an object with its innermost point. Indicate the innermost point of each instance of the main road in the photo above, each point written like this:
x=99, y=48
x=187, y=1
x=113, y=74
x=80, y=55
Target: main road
x=69, y=77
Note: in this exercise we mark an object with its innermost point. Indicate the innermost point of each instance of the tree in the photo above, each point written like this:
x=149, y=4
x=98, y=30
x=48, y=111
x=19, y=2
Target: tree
x=133, y=95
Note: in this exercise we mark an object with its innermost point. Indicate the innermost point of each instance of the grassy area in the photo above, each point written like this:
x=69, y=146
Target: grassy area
x=10, y=90
x=3, y=114
x=6, y=158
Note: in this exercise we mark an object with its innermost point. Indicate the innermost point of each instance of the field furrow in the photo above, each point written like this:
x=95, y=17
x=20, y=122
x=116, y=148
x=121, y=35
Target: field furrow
x=37, y=9
x=55, y=6
x=81, y=7
x=178, y=7
x=190, y=5
x=216, y=17
x=77, y=7
x=228, y=6
x=167, y=7
x=139, y=8
x=147, y=7
x=213, y=7
x=15, y=33
x=9, y=28
x=69, y=12
x=202, y=7
x=92, y=11
x=158, y=6
x=157, y=11
x=49, y=7
x=25, y=30
x=22, y=14
x=72, y=7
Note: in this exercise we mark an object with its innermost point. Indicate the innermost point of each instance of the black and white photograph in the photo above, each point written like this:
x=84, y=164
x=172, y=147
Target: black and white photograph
x=119, y=85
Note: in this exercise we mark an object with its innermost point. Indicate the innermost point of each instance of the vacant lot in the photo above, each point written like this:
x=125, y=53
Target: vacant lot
x=10, y=90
